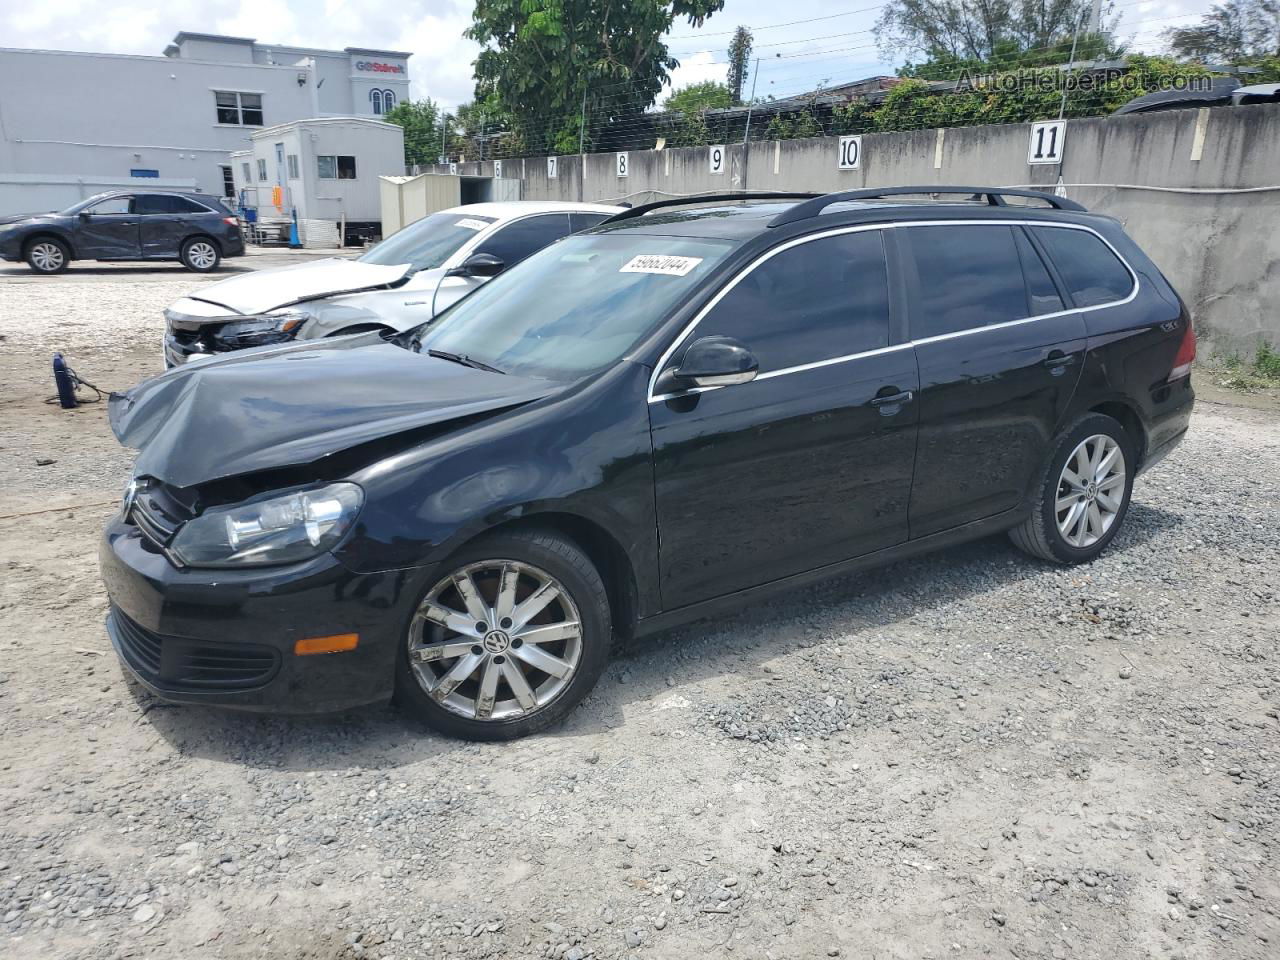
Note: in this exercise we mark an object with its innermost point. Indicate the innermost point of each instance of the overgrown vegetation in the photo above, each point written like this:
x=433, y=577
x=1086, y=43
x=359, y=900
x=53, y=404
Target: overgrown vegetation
x=1261, y=372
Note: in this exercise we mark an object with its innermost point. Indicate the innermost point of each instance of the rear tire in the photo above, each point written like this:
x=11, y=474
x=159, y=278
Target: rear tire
x=201, y=255
x=1083, y=495
x=473, y=668
x=48, y=255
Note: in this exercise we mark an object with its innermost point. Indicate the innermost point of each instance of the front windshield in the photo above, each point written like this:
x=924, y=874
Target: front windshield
x=427, y=243
x=576, y=306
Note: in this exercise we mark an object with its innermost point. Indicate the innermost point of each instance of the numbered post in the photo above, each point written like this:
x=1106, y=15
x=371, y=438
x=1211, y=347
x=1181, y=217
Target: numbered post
x=850, y=153
x=551, y=168
x=497, y=169
x=1047, y=139
x=624, y=167
x=715, y=158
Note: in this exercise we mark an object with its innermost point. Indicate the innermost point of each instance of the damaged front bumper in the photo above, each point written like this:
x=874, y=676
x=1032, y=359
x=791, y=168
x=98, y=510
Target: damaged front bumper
x=228, y=637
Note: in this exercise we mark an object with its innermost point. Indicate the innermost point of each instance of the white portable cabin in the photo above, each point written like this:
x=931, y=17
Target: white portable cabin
x=327, y=170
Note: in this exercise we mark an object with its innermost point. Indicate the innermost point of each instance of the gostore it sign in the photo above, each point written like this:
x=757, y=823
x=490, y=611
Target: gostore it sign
x=377, y=66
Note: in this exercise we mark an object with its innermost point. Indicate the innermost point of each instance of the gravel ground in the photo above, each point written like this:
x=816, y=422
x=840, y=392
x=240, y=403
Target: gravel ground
x=971, y=754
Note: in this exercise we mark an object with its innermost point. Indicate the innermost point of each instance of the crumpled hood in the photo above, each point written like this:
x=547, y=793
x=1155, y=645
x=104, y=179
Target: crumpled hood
x=265, y=290
x=293, y=406
x=19, y=217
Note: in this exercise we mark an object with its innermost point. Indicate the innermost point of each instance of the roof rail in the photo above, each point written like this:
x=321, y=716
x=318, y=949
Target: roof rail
x=994, y=196
x=707, y=198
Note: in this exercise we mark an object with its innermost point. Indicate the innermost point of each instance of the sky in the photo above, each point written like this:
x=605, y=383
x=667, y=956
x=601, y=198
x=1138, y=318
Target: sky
x=801, y=44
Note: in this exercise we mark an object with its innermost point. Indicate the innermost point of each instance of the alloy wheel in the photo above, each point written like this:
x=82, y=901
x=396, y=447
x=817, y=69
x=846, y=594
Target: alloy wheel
x=47, y=257
x=1090, y=491
x=201, y=255
x=496, y=640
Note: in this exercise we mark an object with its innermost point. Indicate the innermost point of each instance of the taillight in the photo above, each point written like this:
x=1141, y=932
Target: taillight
x=1186, y=352
x=231, y=221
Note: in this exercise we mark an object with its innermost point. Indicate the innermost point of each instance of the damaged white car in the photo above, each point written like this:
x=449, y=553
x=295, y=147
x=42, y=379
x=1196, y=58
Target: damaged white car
x=402, y=282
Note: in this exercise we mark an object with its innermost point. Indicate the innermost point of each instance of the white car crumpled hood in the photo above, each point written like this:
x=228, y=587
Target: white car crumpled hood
x=264, y=290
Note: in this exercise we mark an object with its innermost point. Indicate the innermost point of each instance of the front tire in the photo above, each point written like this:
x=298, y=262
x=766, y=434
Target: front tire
x=201, y=255
x=48, y=255
x=508, y=640
x=1084, y=493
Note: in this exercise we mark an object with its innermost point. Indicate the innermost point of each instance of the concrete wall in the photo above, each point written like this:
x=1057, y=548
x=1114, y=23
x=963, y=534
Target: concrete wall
x=1220, y=249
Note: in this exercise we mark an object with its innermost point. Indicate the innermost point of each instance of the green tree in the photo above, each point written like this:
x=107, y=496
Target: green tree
x=707, y=95
x=739, y=63
x=421, y=122
x=1234, y=31
x=960, y=33
x=543, y=60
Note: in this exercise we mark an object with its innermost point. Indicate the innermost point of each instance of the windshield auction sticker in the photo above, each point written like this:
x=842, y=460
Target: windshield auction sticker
x=470, y=224
x=660, y=263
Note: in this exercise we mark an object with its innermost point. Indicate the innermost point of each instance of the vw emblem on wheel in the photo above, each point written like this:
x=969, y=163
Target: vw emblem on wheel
x=496, y=641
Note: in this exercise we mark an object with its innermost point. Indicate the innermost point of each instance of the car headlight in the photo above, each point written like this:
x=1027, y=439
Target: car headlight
x=260, y=331
x=285, y=528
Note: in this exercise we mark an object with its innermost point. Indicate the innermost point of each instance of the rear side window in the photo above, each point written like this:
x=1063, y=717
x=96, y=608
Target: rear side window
x=514, y=242
x=155, y=203
x=1042, y=295
x=1093, y=273
x=816, y=301
x=583, y=221
x=970, y=277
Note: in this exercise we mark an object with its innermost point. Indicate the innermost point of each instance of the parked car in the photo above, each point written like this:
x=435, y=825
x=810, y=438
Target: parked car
x=402, y=281
x=194, y=228
x=658, y=420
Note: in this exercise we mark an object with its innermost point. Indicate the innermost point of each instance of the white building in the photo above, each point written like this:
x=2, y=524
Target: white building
x=328, y=170
x=73, y=124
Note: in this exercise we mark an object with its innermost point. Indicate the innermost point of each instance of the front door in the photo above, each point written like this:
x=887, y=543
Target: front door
x=108, y=231
x=808, y=464
x=999, y=361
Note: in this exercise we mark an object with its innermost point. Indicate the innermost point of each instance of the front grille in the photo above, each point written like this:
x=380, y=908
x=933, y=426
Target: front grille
x=174, y=663
x=158, y=513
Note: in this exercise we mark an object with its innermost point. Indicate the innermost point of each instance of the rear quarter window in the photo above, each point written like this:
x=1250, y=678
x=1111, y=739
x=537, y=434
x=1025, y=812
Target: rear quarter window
x=1093, y=274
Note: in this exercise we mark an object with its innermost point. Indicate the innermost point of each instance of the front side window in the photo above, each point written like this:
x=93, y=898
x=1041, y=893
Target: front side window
x=241, y=109
x=159, y=203
x=293, y=167
x=515, y=241
x=815, y=301
x=1091, y=271
x=970, y=276
x=427, y=243
x=262, y=170
x=577, y=306
x=114, y=205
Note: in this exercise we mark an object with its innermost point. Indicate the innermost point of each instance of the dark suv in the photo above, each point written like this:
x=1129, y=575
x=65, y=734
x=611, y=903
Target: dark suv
x=194, y=228
x=696, y=403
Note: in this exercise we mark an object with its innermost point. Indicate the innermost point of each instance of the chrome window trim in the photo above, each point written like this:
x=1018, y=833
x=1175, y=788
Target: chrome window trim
x=768, y=254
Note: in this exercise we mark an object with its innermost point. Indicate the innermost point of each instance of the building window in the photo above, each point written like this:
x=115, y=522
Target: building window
x=336, y=168
x=228, y=183
x=262, y=170
x=248, y=176
x=241, y=109
x=375, y=97
x=137, y=172
x=388, y=101
x=293, y=167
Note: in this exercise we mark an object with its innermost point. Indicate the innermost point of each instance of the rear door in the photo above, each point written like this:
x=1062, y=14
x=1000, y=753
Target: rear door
x=165, y=221
x=809, y=463
x=108, y=231
x=999, y=358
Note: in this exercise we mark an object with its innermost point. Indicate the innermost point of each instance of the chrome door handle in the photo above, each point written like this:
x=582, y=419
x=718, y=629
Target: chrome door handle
x=893, y=399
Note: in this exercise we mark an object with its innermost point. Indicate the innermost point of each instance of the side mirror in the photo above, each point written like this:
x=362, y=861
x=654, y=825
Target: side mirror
x=479, y=265
x=716, y=362
x=84, y=215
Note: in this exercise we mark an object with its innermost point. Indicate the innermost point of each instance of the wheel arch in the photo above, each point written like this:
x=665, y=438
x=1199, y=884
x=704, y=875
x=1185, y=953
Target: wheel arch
x=602, y=548
x=1129, y=418
x=46, y=234
x=200, y=235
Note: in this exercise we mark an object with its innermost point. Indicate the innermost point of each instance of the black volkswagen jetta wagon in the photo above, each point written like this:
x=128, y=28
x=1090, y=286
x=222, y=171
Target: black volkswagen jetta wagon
x=697, y=402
